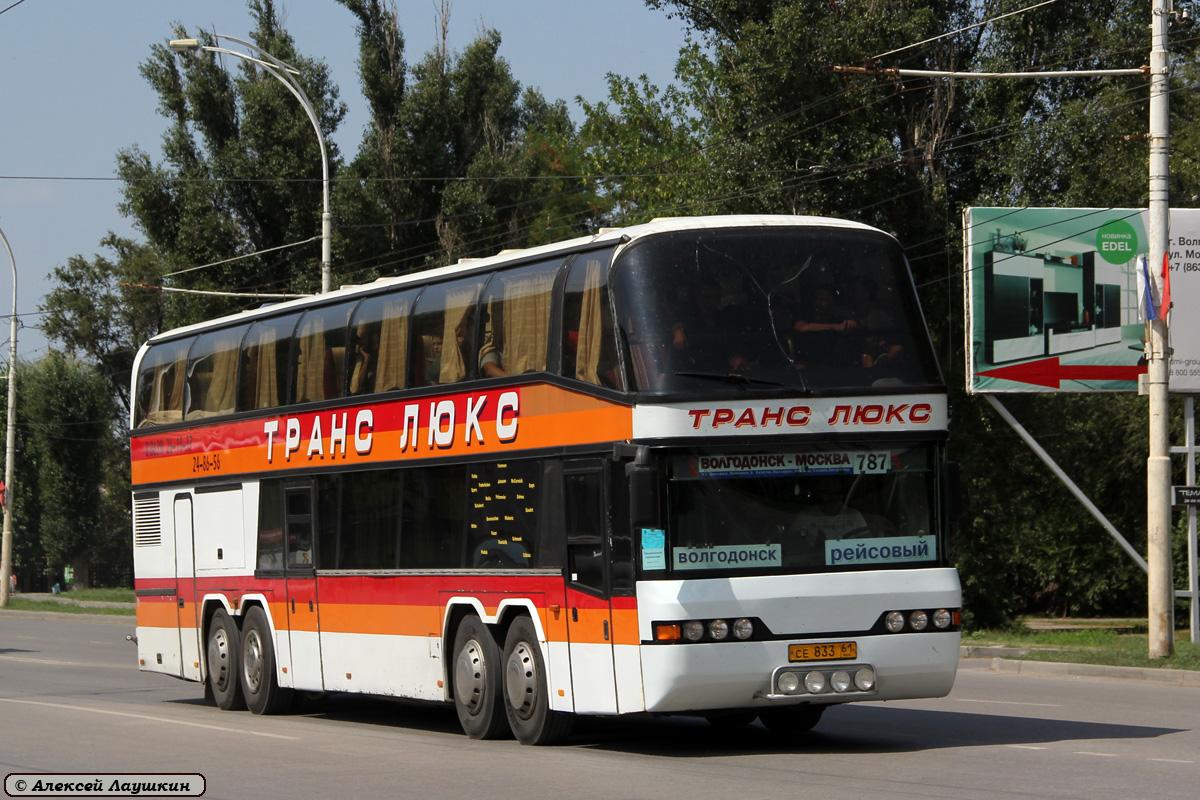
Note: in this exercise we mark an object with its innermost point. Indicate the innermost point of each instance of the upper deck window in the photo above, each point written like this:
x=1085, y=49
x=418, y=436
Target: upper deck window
x=264, y=364
x=161, y=381
x=321, y=354
x=516, y=320
x=378, y=343
x=212, y=372
x=445, y=325
x=813, y=309
x=589, y=351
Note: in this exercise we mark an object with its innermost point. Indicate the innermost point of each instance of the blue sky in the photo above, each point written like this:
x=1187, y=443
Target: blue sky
x=71, y=96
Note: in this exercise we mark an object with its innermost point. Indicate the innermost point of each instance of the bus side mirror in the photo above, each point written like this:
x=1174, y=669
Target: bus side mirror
x=643, y=495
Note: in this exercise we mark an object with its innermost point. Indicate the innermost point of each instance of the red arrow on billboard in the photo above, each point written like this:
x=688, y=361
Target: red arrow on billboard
x=1048, y=372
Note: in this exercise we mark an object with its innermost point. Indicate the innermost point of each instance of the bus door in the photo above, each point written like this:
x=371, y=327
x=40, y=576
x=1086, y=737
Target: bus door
x=185, y=589
x=588, y=604
x=301, y=583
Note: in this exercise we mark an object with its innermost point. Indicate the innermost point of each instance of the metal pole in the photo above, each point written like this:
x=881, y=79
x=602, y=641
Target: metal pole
x=1158, y=463
x=10, y=446
x=285, y=74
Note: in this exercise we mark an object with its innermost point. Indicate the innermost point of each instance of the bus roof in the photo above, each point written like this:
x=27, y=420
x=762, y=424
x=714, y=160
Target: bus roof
x=606, y=236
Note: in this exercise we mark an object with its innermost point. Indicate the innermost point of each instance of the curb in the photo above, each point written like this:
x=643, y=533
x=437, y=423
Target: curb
x=1058, y=669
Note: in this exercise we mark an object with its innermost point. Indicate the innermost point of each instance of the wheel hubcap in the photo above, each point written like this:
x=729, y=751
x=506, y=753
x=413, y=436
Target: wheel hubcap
x=470, y=676
x=218, y=659
x=521, y=679
x=252, y=661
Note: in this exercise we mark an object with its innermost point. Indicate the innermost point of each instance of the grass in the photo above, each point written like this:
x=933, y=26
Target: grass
x=18, y=603
x=103, y=595
x=1113, y=643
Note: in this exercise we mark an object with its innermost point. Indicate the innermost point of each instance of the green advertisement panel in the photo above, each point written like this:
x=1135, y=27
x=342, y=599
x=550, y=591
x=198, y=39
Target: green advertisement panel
x=1055, y=302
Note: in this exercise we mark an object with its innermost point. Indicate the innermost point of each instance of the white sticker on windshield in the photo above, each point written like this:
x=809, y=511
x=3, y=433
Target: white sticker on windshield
x=740, y=556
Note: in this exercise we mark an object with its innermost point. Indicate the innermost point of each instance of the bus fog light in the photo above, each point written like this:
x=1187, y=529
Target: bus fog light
x=789, y=682
x=941, y=618
x=693, y=631
x=743, y=629
x=894, y=621
x=814, y=682
x=840, y=681
x=919, y=620
x=718, y=629
x=864, y=679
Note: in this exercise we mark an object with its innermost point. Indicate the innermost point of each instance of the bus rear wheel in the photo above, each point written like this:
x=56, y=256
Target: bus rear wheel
x=526, y=698
x=477, y=681
x=789, y=720
x=260, y=686
x=222, y=651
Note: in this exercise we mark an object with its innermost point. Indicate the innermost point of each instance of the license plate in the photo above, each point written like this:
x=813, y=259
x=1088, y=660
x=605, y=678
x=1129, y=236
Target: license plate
x=832, y=651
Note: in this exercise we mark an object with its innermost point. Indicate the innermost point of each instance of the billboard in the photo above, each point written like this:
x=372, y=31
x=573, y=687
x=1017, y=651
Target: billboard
x=1052, y=298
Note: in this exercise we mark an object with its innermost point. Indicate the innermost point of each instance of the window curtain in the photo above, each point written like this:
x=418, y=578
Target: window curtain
x=310, y=364
x=264, y=361
x=387, y=362
x=459, y=318
x=591, y=324
x=526, y=321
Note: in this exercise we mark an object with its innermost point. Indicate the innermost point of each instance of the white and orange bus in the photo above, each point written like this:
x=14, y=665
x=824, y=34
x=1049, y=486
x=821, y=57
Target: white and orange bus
x=695, y=466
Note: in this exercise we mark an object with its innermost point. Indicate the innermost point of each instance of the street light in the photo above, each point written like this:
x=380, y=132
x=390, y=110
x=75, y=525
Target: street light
x=6, y=550
x=286, y=75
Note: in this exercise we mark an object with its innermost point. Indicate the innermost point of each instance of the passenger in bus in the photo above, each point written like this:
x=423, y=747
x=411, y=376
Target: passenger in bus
x=823, y=338
x=875, y=323
x=697, y=340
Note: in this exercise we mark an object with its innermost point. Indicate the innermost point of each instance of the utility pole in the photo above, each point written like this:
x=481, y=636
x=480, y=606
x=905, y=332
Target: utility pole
x=1158, y=463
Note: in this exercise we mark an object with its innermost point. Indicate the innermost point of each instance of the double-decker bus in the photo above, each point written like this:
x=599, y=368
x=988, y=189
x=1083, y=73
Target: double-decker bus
x=696, y=466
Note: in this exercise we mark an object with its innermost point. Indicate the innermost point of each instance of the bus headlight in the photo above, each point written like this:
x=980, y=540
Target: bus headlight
x=840, y=681
x=919, y=620
x=718, y=629
x=693, y=631
x=814, y=682
x=894, y=621
x=743, y=629
x=789, y=682
x=864, y=679
x=941, y=618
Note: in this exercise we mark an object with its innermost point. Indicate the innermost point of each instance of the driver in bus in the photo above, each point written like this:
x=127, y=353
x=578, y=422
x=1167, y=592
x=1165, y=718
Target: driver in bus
x=829, y=518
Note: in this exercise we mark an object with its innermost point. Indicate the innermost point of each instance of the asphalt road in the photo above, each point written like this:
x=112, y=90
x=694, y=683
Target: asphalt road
x=72, y=700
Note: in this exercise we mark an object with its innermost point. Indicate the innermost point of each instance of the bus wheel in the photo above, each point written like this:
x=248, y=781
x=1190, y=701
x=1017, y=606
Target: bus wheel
x=527, y=701
x=223, y=648
x=791, y=719
x=260, y=686
x=477, y=681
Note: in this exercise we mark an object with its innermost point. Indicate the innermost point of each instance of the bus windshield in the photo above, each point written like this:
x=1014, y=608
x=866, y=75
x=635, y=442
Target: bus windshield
x=809, y=510
x=815, y=310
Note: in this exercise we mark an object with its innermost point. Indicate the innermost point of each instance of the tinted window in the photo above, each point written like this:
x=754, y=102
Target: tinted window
x=432, y=517
x=810, y=308
x=212, y=372
x=516, y=320
x=378, y=344
x=445, y=329
x=502, y=514
x=589, y=345
x=320, y=354
x=264, y=368
x=162, y=378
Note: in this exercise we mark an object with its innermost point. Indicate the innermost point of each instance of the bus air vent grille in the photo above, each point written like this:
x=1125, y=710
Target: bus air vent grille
x=147, y=522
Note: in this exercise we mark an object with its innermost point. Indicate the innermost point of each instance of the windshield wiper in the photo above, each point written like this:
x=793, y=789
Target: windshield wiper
x=732, y=377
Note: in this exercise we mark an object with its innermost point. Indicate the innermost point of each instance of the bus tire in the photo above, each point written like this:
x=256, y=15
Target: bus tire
x=526, y=698
x=223, y=650
x=260, y=685
x=787, y=720
x=477, y=695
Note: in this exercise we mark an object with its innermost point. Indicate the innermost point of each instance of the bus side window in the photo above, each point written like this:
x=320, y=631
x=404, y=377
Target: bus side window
x=445, y=314
x=516, y=320
x=212, y=372
x=432, y=517
x=502, y=511
x=320, y=354
x=378, y=344
x=589, y=345
x=263, y=379
x=585, y=520
x=270, y=525
x=161, y=382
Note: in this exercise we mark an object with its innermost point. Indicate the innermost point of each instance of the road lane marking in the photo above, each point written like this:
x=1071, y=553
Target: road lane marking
x=1025, y=746
x=149, y=717
x=53, y=663
x=1009, y=703
x=1171, y=760
x=1101, y=755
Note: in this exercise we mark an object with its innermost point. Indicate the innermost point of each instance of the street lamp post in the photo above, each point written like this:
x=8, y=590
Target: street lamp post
x=10, y=447
x=286, y=75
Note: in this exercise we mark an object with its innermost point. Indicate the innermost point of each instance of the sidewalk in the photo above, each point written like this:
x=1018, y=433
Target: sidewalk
x=1006, y=660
